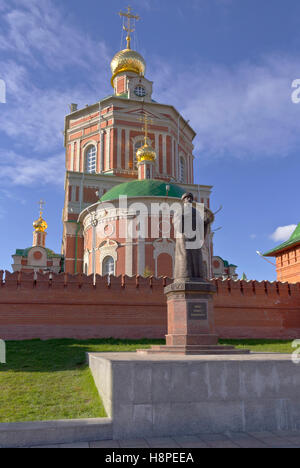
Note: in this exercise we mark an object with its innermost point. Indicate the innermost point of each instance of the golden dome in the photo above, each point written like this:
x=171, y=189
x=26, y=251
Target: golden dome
x=127, y=60
x=145, y=153
x=40, y=225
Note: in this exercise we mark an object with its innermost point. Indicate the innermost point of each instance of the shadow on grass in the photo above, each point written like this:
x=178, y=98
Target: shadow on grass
x=70, y=354
x=62, y=354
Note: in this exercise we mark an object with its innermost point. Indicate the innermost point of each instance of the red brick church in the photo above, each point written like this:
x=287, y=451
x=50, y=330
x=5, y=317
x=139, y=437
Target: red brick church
x=126, y=144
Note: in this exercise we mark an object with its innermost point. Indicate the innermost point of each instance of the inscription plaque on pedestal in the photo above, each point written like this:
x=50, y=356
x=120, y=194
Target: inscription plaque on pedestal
x=197, y=311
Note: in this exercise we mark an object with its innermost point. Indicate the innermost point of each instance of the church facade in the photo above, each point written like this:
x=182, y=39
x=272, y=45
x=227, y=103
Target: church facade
x=38, y=257
x=126, y=144
x=101, y=143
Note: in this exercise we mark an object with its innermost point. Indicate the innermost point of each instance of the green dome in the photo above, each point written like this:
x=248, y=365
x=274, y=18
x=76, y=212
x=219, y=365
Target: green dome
x=143, y=188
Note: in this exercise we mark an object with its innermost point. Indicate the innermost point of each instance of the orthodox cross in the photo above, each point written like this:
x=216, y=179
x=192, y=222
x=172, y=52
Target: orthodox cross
x=146, y=122
x=128, y=28
x=41, y=205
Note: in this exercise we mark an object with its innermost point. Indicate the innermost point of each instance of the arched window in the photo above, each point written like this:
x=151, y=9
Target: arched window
x=108, y=266
x=182, y=170
x=91, y=159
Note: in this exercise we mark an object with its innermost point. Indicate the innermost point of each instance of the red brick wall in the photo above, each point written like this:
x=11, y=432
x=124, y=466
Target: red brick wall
x=70, y=306
x=257, y=309
x=288, y=265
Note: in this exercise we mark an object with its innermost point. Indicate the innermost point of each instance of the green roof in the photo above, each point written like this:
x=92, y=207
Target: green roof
x=293, y=240
x=24, y=253
x=226, y=263
x=143, y=188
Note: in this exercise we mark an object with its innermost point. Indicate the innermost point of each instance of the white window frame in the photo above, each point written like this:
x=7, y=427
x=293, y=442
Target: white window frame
x=140, y=91
x=91, y=159
x=182, y=169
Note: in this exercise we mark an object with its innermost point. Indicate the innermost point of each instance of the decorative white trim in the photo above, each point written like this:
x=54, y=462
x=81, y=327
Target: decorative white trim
x=108, y=249
x=77, y=166
x=90, y=143
x=119, y=146
x=157, y=152
x=86, y=262
x=101, y=151
x=84, y=152
x=182, y=157
x=141, y=257
x=107, y=149
x=72, y=156
x=164, y=145
x=127, y=148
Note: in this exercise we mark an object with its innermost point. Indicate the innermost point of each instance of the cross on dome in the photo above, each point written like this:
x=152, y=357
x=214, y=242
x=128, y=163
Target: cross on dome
x=146, y=122
x=40, y=224
x=128, y=28
x=41, y=205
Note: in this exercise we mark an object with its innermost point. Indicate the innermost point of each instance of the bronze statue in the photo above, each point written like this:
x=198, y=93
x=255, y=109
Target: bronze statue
x=189, y=264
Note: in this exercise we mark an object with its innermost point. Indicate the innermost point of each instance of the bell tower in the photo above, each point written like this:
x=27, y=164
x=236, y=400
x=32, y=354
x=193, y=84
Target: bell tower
x=128, y=67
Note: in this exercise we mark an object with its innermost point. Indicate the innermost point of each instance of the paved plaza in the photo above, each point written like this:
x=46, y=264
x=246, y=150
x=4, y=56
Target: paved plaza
x=285, y=439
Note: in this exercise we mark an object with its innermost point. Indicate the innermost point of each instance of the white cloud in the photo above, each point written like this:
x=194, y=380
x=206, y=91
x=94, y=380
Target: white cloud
x=37, y=117
x=283, y=233
x=240, y=111
x=41, y=27
x=19, y=170
x=41, y=41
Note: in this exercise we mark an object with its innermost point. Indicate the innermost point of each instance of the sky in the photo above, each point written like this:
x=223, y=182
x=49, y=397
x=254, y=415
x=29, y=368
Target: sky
x=226, y=65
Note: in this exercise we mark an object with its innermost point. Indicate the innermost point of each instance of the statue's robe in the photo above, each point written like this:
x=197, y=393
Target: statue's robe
x=189, y=264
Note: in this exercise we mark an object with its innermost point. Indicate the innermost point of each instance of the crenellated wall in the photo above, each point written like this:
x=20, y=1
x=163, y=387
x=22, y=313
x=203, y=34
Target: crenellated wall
x=70, y=306
x=252, y=309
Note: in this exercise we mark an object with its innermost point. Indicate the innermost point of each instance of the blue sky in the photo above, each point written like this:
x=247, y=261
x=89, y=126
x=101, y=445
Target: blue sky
x=227, y=65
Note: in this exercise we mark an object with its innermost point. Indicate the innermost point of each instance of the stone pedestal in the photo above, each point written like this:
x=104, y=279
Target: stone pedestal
x=191, y=324
x=175, y=395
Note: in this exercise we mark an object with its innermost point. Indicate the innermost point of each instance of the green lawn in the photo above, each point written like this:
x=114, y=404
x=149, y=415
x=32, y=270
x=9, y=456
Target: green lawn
x=46, y=380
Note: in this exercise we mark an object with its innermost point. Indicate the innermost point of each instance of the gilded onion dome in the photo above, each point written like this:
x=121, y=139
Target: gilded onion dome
x=40, y=225
x=127, y=60
x=145, y=153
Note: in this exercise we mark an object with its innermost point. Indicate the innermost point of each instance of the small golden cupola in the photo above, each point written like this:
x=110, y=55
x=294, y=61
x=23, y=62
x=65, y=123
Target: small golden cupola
x=40, y=226
x=146, y=156
x=127, y=60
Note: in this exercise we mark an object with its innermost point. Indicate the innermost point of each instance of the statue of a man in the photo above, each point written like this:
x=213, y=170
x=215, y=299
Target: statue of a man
x=189, y=264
